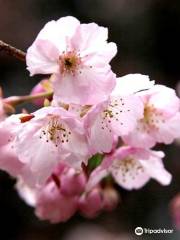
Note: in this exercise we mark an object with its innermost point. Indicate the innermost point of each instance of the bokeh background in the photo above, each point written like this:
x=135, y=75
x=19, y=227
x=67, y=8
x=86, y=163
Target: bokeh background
x=147, y=33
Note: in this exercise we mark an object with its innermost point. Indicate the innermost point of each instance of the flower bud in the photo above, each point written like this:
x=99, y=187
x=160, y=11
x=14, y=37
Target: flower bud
x=54, y=206
x=111, y=198
x=90, y=204
x=175, y=210
x=72, y=183
x=42, y=87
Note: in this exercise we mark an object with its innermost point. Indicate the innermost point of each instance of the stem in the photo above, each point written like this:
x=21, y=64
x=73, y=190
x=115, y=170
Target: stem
x=16, y=100
x=12, y=51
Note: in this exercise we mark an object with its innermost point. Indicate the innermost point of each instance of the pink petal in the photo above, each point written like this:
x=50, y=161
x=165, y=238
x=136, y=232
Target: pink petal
x=155, y=168
x=90, y=38
x=126, y=111
x=164, y=99
x=132, y=83
x=169, y=130
x=140, y=138
x=129, y=176
x=43, y=55
x=90, y=86
x=9, y=161
x=40, y=162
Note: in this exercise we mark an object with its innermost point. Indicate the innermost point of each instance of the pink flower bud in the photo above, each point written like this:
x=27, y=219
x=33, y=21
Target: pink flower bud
x=54, y=206
x=91, y=204
x=42, y=87
x=111, y=198
x=175, y=210
x=72, y=183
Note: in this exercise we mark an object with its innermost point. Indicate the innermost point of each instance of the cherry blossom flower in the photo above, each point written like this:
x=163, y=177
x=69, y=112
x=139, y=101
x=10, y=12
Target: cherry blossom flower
x=9, y=161
x=19, y=163
x=78, y=55
x=52, y=135
x=160, y=121
x=132, y=168
x=115, y=117
x=94, y=127
x=118, y=115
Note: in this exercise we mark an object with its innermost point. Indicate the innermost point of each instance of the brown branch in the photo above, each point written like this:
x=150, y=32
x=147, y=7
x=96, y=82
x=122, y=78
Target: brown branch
x=12, y=51
x=15, y=100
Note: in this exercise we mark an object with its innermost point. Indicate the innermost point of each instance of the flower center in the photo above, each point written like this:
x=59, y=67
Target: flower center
x=114, y=112
x=127, y=168
x=69, y=62
x=56, y=132
x=149, y=111
x=152, y=118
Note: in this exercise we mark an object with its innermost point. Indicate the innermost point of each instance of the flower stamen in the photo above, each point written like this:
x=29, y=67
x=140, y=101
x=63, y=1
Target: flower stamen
x=56, y=132
x=69, y=62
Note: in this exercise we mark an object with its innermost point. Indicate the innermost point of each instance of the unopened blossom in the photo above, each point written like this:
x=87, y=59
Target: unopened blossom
x=72, y=182
x=161, y=118
x=57, y=199
x=110, y=197
x=52, y=135
x=78, y=56
x=91, y=204
x=42, y=87
x=49, y=203
x=132, y=168
x=175, y=210
x=52, y=205
x=98, y=199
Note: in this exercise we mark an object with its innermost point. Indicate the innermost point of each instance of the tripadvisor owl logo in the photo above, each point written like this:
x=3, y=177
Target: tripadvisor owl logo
x=139, y=231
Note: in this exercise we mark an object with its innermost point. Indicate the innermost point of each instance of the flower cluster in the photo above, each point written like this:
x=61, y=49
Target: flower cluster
x=64, y=193
x=95, y=130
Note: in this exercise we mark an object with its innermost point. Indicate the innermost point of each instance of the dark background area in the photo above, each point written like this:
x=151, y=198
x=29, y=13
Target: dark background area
x=147, y=33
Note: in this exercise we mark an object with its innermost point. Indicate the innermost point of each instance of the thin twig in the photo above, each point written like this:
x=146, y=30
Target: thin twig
x=12, y=51
x=15, y=100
